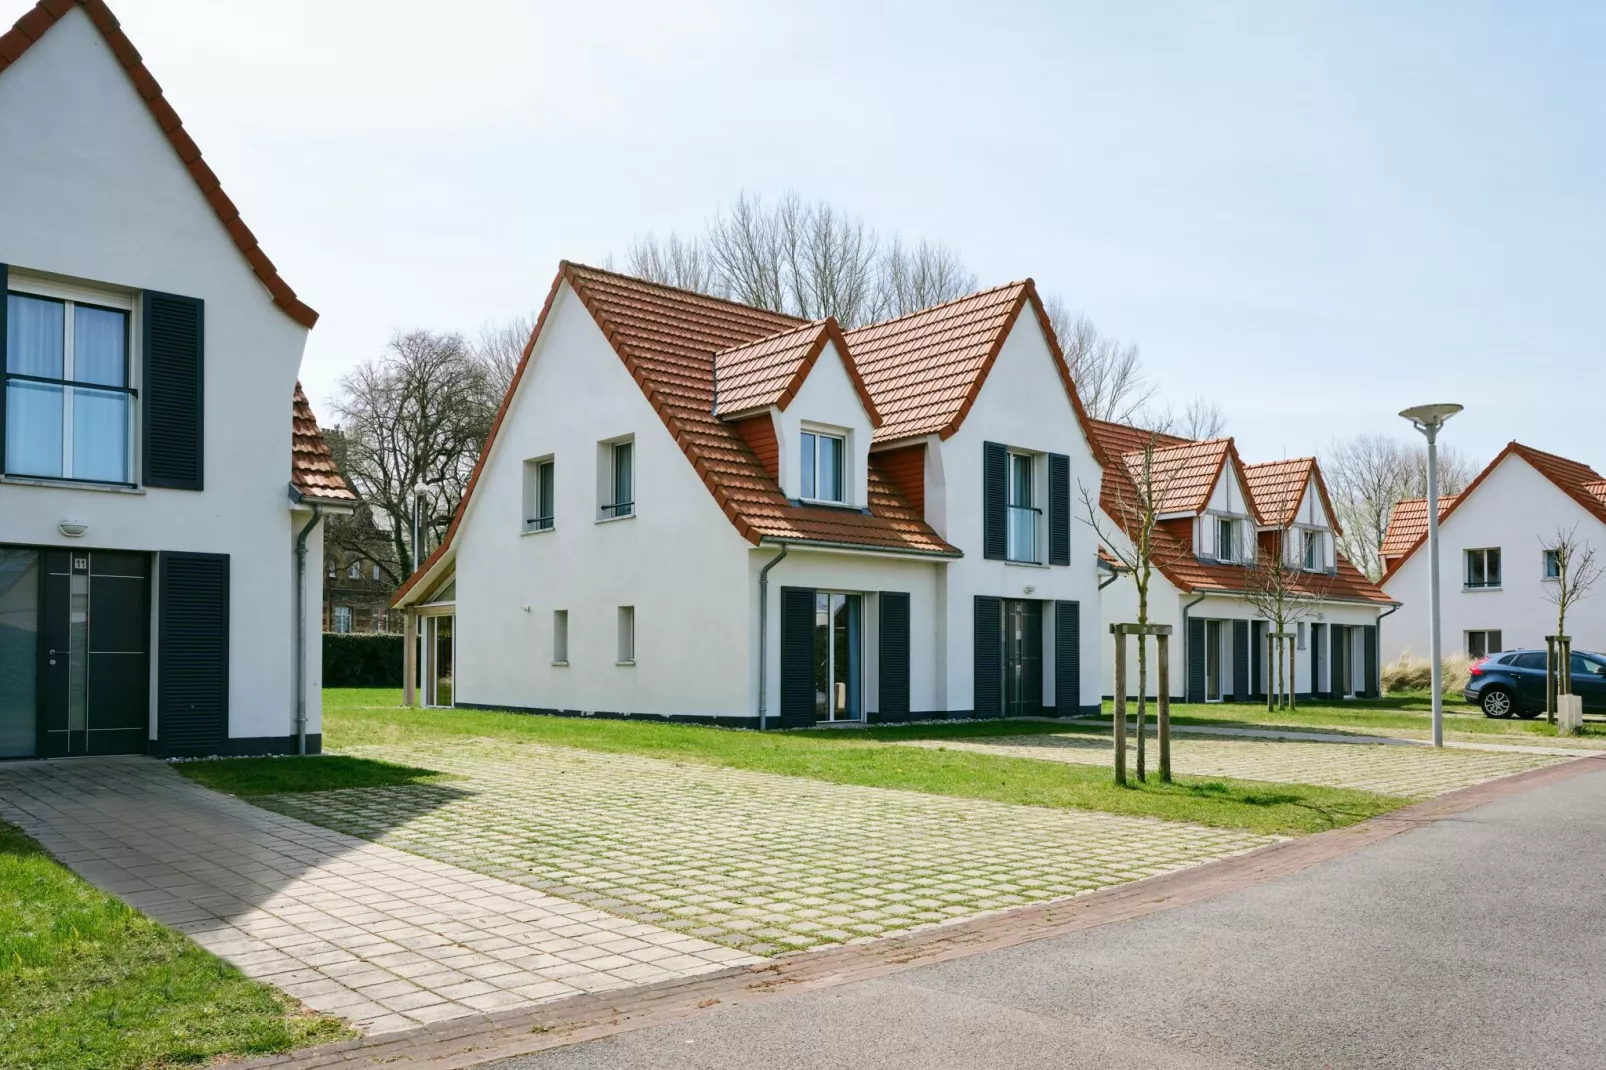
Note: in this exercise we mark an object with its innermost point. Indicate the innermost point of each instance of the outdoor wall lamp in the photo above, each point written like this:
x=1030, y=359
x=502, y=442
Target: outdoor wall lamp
x=73, y=529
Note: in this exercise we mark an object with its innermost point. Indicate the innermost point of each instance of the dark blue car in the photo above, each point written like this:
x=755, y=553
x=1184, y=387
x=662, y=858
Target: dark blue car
x=1512, y=683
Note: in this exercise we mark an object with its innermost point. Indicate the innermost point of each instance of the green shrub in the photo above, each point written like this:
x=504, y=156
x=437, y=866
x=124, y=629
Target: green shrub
x=362, y=660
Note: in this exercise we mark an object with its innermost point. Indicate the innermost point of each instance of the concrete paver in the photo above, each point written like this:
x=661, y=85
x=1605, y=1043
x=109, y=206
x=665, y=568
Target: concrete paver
x=754, y=861
x=384, y=938
x=1409, y=771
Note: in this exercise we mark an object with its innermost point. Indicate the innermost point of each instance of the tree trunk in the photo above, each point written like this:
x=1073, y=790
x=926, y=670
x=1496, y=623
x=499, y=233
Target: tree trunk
x=1143, y=698
x=1120, y=708
x=1162, y=673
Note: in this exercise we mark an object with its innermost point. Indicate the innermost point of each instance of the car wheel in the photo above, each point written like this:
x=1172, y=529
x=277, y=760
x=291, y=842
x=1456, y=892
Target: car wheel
x=1497, y=702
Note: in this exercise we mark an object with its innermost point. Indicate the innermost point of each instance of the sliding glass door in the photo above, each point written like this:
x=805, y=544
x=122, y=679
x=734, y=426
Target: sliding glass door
x=838, y=646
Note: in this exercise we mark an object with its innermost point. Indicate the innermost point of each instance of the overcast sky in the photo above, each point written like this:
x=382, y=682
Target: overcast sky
x=1315, y=214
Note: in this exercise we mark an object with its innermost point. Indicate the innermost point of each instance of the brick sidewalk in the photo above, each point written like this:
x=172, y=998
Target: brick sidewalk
x=384, y=939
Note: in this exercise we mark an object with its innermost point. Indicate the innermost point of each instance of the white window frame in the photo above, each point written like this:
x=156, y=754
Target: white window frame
x=627, y=636
x=560, y=637
x=1035, y=473
x=534, y=522
x=843, y=440
x=1466, y=565
x=340, y=620
x=1312, y=551
x=1547, y=558
x=609, y=503
x=1229, y=553
x=1487, y=649
x=20, y=281
x=354, y=570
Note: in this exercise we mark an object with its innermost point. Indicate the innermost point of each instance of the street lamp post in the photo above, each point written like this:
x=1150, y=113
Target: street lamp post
x=1428, y=419
x=419, y=490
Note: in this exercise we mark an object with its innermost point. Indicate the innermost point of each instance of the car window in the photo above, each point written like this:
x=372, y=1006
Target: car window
x=1528, y=661
x=1582, y=665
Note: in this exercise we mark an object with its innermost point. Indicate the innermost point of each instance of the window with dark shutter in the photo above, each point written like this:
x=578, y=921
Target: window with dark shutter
x=1059, y=509
x=1067, y=659
x=192, y=668
x=989, y=657
x=174, y=391
x=1257, y=660
x=1196, y=660
x=1240, y=661
x=893, y=643
x=995, y=501
x=797, y=657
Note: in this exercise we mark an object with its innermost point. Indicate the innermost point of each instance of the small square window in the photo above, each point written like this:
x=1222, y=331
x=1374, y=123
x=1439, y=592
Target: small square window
x=1483, y=568
x=1483, y=643
x=540, y=494
x=627, y=635
x=822, y=467
x=560, y=637
x=1552, y=565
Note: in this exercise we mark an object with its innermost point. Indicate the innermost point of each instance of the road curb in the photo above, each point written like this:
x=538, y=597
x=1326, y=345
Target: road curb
x=486, y=1038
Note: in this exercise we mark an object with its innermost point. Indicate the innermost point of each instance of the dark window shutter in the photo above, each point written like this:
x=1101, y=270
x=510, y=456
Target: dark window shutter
x=1067, y=659
x=892, y=674
x=1257, y=659
x=1335, y=643
x=1374, y=686
x=1316, y=636
x=1059, y=509
x=1196, y=660
x=192, y=668
x=173, y=391
x=1240, y=661
x=994, y=501
x=797, y=657
x=989, y=697
x=4, y=275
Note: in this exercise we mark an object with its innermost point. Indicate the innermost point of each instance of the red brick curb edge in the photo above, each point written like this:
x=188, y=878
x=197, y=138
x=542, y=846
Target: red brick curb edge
x=486, y=1038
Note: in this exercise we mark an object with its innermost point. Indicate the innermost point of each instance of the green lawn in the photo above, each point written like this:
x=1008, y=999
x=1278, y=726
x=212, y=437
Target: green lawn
x=353, y=717
x=88, y=983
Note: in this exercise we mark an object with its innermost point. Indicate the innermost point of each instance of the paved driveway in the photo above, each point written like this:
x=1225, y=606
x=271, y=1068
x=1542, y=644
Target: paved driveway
x=1410, y=771
x=383, y=938
x=754, y=861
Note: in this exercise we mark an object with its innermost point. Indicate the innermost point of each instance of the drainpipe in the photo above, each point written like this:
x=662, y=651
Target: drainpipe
x=1185, y=662
x=301, y=629
x=763, y=644
x=1395, y=608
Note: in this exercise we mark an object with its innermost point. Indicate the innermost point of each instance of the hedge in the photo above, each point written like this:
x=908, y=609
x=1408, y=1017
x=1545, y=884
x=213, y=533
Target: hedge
x=362, y=660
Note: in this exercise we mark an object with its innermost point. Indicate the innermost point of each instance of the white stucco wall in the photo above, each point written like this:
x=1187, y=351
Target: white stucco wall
x=91, y=189
x=1022, y=404
x=1518, y=510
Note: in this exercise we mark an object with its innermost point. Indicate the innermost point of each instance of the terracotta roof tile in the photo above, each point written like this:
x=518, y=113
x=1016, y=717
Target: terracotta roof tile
x=37, y=21
x=770, y=371
x=1577, y=480
x=313, y=471
x=1118, y=439
x=1182, y=476
x=1278, y=488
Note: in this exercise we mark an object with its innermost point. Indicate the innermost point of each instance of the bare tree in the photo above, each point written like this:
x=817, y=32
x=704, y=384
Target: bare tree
x=417, y=414
x=1199, y=419
x=1284, y=593
x=914, y=277
x=1574, y=570
x=674, y=261
x=1108, y=375
x=1126, y=517
x=499, y=347
x=1368, y=475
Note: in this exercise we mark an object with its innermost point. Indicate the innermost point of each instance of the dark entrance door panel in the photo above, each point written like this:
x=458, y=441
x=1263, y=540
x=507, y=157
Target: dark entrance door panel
x=1023, y=658
x=94, y=653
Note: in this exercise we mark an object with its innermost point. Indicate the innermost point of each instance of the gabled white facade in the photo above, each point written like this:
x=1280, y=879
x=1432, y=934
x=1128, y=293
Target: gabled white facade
x=1516, y=510
x=97, y=208
x=534, y=620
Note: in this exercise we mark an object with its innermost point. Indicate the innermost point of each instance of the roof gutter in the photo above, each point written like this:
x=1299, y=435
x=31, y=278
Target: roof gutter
x=763, y=639
x=856, y=548
x=1185, y=652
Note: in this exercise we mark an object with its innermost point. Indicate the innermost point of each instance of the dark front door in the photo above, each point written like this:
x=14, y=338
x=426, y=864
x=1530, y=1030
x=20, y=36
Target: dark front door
x=94, y=653
x=1023, y=658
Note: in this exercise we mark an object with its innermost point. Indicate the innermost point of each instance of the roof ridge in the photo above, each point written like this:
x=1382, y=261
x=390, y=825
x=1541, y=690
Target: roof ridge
x=942, y=304
x=672, y=288
x=1523, y=447
x=818, y=325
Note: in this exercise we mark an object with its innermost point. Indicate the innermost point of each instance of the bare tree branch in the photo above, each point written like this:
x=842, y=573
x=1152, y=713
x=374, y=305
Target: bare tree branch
x=1577, y=571
x=1368, y=475
x=499, y=347
x=1109, y=376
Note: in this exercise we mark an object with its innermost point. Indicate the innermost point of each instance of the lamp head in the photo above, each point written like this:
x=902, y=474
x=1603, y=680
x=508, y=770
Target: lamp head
x=1431, y=416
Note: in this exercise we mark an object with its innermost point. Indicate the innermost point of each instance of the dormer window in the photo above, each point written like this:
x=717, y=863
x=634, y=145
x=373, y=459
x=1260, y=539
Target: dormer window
x=1226, y=539
x=822, y=467
x=1311, y=554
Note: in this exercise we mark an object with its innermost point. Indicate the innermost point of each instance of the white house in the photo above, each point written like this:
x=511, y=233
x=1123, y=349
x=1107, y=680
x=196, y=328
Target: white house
x=693, y=509
x=152, y=491
x=1216, y=518
x=1494, y=571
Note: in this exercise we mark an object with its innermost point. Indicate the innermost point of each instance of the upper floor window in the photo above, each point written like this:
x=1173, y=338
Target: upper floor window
x=1552, y=565
x=376, y=571
x=69, y=406
x=540, y=491
x=355, y=571
x=342, y=620
x=822, y=467
x=1226, y=539
x=618, y=484
x=1023, y=511
x=1311, y=552
x=1483, y=567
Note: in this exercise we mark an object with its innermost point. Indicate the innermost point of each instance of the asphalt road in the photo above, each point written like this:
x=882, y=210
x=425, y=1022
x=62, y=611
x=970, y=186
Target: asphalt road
x=1476, y=941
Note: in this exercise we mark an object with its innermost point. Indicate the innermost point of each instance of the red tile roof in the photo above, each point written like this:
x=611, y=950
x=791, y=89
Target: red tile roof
x=313, y=471
x=1184, y=476
x=1279, y=490
x=668, y=339
x=1118, y=439
x=1577, y=480
x=33, y=25
x=770, y=371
